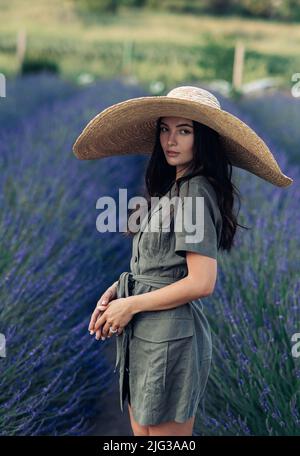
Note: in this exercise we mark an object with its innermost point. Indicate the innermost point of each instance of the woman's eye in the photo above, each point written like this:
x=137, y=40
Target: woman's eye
x=186, y=131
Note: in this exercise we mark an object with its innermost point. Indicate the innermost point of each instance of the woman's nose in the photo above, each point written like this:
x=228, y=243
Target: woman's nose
x=171, y=139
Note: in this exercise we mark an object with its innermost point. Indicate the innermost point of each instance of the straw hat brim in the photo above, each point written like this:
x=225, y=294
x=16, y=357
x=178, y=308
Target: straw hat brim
x=128, y=128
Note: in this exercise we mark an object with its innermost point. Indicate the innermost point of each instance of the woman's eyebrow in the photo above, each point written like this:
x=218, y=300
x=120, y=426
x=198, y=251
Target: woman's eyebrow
x=179, y=125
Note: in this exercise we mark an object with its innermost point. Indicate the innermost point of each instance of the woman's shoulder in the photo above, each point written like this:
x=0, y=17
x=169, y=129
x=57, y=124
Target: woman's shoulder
x=201, y=180
x=199, y=184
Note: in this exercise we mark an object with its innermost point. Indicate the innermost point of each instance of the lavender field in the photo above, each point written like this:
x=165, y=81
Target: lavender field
x=54, y=265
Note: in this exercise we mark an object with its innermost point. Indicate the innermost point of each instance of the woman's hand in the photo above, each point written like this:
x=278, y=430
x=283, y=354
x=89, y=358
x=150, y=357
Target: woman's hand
x=108, y=295
x=117, y=316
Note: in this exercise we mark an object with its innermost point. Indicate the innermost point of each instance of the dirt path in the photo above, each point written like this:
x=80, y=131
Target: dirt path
x=112, y=421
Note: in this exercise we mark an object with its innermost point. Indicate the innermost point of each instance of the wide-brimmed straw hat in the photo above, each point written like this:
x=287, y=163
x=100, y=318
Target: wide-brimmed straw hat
x=129, y=127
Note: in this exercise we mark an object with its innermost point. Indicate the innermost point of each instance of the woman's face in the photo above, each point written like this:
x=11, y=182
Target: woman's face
x=177, y=134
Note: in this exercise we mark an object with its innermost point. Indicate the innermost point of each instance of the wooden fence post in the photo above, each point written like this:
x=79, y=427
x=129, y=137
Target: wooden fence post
x=238, y=65
x=21, y=48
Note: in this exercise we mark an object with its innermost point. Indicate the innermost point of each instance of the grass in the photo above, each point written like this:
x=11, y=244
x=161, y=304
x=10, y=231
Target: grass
x=46, y=17
x=168, y=46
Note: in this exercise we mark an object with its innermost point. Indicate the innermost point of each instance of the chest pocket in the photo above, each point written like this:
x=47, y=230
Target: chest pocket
x=157, y=241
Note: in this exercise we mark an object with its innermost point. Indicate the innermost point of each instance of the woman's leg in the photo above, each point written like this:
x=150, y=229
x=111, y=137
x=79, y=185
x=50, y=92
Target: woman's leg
x=170, y=428
x=137, y=428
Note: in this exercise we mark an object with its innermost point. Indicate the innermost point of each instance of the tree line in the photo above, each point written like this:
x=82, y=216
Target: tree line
x=286, y=10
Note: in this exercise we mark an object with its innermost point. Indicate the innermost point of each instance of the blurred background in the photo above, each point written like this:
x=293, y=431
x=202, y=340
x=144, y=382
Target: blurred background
x=62, y=62
x=154, y=42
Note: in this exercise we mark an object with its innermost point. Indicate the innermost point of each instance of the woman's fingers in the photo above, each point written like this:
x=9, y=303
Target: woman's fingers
x=98, y=334
x=106, y=330
x=100, y=307
x=106, y=297
x=103, y=335
x=93, y=320
x=106, y=333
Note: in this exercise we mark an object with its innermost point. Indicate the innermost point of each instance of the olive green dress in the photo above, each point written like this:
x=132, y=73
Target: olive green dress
x=164, y=356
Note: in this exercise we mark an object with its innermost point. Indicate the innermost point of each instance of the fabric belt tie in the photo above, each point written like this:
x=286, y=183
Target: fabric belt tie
x=124, y=282
x=154, y=281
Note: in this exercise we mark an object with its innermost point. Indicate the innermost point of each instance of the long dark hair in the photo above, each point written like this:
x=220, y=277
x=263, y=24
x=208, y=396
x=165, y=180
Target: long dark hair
x=209, y=161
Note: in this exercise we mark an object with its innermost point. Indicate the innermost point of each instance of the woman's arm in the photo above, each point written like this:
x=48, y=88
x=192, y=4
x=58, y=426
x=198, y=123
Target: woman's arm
x=200, y=282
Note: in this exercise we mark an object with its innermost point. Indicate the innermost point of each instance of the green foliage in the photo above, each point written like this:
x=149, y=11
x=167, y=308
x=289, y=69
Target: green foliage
x=216, y=59
x=212, y=59
x=278, y=64
x=133, y=3
x=38, y=64
x=195, y=52
x=97, y=6
x=288, y=10
x=178, y=6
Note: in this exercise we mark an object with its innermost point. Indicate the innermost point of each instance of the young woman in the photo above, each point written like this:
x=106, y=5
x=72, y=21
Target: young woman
x=164, y=346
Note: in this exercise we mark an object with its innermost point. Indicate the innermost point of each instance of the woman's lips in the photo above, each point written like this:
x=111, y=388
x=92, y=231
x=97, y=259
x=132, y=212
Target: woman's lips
x=172, y=154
